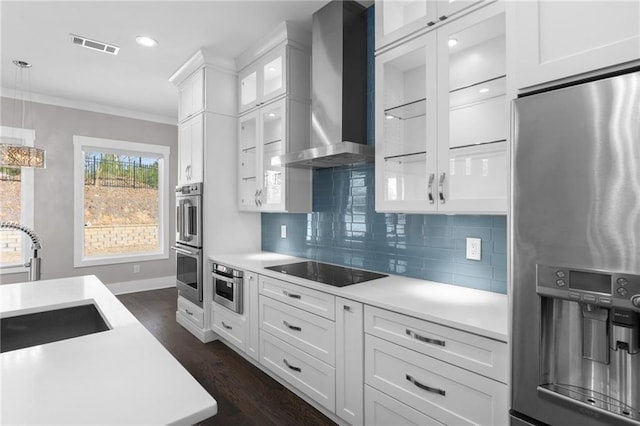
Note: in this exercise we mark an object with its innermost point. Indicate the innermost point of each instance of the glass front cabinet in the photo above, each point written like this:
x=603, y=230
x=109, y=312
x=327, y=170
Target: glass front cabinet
x=442, y=120
x=263, y=80
x=264, y=135
x=397, y=19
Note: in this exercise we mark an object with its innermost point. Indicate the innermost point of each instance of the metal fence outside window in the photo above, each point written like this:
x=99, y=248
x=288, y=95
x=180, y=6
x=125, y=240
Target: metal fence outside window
x=128, y=174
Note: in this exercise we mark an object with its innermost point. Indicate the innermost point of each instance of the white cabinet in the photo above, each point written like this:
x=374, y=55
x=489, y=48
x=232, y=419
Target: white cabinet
x=191, y=95
x=444, y=376
x=191, y=312
x=264, y=134
x=229, y=325
x=251, y=312
x=298, y=337
x=552, y=40
x=191, y=150
x=349, y=356
x=397, y=19
x=442, y=119
x=264, y=79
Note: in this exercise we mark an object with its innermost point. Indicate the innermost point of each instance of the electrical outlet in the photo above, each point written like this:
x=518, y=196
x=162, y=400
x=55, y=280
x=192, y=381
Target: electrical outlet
x=283, y=231
x=474, y=248
x=136, y=269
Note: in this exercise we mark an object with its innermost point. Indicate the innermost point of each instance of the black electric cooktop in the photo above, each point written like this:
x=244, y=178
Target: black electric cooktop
x=337, y=276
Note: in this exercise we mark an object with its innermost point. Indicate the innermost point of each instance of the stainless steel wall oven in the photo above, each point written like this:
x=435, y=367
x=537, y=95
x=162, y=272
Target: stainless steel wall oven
x=188, y=248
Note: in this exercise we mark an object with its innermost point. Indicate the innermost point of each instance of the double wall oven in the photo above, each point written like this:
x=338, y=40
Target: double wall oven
x=189, y=238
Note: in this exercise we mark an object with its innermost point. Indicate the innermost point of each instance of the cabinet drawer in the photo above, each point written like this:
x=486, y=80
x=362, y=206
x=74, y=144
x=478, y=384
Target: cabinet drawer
x=193, y=313
x=228, y=325
x=305, y=331
x=447, y=393
x=476, y=353
x=307, y=299
x=382, y=410
x=308, y=374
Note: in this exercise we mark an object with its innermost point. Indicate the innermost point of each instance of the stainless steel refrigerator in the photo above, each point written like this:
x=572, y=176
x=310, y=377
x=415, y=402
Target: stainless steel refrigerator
x=575, y=263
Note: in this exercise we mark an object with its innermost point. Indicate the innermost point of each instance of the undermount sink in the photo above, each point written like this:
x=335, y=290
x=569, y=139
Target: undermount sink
x=23, y=331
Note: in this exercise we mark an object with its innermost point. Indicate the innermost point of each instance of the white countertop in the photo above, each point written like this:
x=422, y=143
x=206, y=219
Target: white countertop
x=116, y=377
x=476, y=311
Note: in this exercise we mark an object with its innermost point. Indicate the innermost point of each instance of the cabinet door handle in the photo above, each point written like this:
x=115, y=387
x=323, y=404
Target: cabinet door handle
x=443, y=17
x=432, y=177
x=188, y=312
x=441, y=187
x=228, y=327
x=293, y=296
x=426, y=339
x=347, y=308
x=430, y=24
x=425, y=387
x=291, y=367
x=292, y=327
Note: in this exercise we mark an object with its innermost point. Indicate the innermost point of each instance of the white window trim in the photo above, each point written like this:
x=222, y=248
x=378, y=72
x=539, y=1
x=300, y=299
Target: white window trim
x=25, y=137
x=85, y=143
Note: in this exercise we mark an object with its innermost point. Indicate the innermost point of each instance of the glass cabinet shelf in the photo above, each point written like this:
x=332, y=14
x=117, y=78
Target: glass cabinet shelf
x=407, y=111
x=479, y=144
x=399, y=157
x=478, y=92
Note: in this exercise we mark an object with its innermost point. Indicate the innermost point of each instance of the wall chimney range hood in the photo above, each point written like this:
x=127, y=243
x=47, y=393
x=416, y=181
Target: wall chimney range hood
x=338, y=90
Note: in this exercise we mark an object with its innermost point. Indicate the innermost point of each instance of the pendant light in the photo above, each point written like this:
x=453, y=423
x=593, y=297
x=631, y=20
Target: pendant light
x=20, y=155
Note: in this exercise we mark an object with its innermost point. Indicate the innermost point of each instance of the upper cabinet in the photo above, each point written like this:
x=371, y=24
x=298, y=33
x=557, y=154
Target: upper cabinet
x=397, y=19
x=552, y=40
x=263, y=80
x=206, y=85
x=280, y=65
x=275, y=116
x=191, y=95
x=442, y=119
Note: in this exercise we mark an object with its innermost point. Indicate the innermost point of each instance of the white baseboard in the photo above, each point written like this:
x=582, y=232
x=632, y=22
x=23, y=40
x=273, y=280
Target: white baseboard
x=142, y=285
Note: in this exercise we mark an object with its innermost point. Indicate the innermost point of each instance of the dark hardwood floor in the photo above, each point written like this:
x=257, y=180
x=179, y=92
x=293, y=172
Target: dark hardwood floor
x=245, y=395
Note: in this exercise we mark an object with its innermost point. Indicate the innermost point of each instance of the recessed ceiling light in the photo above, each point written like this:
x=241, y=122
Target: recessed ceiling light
x=272, y=114
x=483, y=90
x=146, y=41
x=453, y=42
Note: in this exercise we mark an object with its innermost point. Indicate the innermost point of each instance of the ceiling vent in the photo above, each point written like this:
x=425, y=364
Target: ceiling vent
x=95, y=45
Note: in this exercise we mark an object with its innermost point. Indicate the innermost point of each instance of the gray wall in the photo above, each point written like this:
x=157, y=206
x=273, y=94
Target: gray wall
x=55, y=127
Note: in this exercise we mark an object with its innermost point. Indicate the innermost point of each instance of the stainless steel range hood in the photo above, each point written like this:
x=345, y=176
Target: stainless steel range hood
x=338, y=90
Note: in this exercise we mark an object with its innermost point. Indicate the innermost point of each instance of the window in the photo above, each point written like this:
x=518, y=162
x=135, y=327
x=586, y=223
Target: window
x=16, y=204
x=121, y=201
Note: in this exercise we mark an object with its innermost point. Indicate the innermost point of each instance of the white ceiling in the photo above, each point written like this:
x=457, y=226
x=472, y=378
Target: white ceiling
x=136, y=80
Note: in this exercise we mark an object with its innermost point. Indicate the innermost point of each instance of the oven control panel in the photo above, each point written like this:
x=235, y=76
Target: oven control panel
x=602, y=288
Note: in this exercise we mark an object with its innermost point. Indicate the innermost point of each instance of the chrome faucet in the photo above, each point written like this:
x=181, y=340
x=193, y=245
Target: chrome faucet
x=34, y=261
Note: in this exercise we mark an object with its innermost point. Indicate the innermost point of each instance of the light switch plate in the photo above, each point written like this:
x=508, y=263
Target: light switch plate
x=474, y=248
x=283, y=231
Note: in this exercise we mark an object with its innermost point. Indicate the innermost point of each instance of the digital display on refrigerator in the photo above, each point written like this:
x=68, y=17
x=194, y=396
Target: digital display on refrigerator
x=589, y=281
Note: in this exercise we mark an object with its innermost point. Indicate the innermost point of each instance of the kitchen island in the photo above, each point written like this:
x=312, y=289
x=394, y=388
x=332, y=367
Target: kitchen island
x=119, y=376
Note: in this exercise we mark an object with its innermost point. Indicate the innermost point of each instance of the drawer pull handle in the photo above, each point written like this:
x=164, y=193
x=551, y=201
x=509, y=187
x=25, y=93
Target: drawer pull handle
x=426, y=339
x=228, y=327
x=291, y=367
x=293, y=296
x=188, y=312
x=292, y=327
x=425, y=387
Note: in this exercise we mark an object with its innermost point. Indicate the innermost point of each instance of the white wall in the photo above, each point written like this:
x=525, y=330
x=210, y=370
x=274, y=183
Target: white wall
x=55, y=127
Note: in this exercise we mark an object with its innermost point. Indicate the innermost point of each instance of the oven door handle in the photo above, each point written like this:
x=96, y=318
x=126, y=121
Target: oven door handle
x=184, y=251
x=187, y=225
x=226, y=279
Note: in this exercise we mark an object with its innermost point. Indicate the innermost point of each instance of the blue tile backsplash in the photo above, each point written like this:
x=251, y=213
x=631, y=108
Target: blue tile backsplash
x=345, y=229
